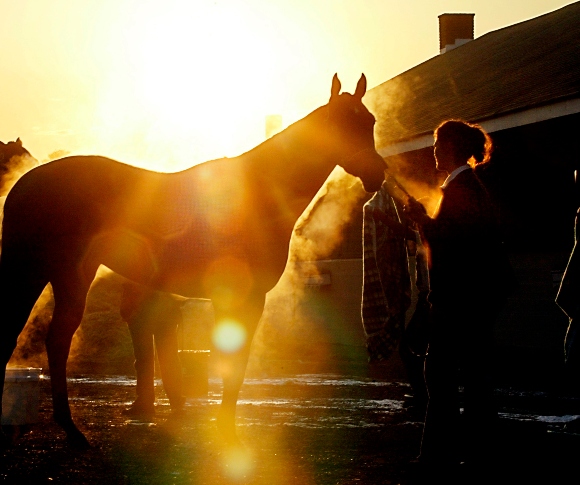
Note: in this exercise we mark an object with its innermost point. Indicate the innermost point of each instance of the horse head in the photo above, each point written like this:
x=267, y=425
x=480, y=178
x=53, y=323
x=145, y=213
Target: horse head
x=352, y=134
x=12, y=149
x=14, y=161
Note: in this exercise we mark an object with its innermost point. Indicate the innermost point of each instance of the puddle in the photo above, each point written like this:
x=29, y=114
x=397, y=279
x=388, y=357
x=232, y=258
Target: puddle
x=341, y=402
x=318, y=380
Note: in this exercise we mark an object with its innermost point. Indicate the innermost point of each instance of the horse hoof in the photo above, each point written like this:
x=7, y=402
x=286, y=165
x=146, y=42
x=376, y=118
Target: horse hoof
x=227, y=430
x=5, y=440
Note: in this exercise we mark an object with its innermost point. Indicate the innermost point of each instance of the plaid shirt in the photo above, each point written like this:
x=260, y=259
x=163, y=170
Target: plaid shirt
x=386, y=293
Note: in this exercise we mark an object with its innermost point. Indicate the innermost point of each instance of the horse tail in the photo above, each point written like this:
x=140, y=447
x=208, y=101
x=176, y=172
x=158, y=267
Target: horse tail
x=2, y=201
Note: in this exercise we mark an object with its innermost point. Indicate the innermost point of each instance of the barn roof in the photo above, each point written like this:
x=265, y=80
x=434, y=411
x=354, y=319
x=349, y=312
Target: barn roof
x=528, y=65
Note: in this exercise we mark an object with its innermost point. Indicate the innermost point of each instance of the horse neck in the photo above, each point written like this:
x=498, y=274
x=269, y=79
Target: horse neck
x=297, y=161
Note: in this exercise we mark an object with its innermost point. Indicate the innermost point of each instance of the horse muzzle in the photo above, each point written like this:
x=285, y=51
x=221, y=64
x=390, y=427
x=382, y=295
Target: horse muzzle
x=374, y=175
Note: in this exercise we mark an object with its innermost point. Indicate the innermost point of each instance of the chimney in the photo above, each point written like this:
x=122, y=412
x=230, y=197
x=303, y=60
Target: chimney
x=455, y=29
x=273, y=125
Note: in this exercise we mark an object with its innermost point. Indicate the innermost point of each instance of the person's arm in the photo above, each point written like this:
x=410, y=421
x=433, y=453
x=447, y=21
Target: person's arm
x=415, y=211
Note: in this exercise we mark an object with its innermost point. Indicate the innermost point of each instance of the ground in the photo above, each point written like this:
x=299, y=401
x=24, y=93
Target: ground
x=296, y=429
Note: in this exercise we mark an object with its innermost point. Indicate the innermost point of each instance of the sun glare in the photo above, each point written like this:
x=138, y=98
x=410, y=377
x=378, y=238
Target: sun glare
x=198, y=83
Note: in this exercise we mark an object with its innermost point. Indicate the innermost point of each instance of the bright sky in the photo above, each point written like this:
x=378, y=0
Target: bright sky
x=165, y=84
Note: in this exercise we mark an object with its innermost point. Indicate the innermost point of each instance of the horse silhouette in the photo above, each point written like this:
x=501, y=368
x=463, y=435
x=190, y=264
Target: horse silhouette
x=219, y=230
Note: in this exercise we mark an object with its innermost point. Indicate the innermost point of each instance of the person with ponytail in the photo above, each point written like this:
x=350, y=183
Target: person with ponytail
x=467, y=270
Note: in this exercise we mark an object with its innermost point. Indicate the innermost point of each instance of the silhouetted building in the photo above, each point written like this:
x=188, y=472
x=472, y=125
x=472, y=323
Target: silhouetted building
x=455, y=29
x=522, y=84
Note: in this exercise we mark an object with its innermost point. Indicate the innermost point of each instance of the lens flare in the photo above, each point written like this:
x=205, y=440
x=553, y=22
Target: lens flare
x=229, y=336
x=238, y=464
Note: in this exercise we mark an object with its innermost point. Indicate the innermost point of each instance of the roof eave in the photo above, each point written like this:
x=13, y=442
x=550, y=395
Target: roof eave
x=493, y=123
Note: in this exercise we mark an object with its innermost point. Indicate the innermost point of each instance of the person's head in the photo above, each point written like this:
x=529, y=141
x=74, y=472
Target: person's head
x=458, y=142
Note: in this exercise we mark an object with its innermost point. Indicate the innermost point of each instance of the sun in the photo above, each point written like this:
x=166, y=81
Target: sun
x=198, y=82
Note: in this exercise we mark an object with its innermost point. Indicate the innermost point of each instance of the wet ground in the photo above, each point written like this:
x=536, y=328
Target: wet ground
x=297, y=429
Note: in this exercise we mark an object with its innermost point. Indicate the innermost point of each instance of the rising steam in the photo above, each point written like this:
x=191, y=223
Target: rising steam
x=321, y=228
x=13, y=169
x=290, y=329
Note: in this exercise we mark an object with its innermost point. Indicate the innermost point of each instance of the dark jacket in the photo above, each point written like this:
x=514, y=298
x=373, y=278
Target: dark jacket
x=467, y=260
x=568, y=298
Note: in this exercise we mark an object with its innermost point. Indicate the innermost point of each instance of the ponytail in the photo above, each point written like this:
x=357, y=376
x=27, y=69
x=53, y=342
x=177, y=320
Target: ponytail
x=470, y=140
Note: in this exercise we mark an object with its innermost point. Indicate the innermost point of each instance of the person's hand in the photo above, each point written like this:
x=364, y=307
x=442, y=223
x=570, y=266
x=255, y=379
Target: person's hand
x=415, y=211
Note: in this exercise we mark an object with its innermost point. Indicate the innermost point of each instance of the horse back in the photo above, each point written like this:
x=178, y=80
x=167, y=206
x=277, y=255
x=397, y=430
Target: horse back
x=163, y=229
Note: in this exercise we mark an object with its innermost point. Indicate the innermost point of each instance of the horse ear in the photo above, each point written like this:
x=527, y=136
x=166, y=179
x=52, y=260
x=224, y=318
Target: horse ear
x=18, y=141
x=361, y=87
x=335, y=90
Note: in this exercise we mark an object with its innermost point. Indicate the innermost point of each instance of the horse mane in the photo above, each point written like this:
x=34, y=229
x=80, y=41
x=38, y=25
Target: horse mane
x=299, y=129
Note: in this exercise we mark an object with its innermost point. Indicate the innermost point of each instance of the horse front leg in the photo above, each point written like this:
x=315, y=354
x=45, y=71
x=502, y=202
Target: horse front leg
x=67, y=316
x=232, y=339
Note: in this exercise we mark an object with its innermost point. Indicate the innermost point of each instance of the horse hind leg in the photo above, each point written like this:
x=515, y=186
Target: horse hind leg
x=17, y=298
x=19, y=292
x=70, y=292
